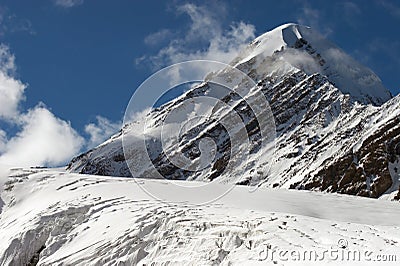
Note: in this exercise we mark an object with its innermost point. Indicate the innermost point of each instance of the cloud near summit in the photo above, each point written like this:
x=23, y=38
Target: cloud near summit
x=205, y=29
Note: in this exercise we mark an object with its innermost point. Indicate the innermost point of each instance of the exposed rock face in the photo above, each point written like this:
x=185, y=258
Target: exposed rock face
x=364, y=172
x=330, y=134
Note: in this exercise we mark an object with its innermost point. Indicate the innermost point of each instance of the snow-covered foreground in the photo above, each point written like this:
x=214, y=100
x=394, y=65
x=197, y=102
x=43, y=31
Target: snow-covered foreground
x=60, y=218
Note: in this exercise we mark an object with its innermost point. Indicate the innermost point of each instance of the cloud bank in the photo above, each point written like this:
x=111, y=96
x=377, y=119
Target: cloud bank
x=41, y=138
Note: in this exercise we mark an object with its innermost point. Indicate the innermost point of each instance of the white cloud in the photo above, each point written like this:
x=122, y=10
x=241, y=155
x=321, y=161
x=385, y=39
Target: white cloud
x=43, y=140
x=7, y=60
x=132, y=116
x=203, y=22
x=11, y=93
x=101, y=130
x=302, y=60
x=11, y=90
x=158, y=37
x=68, y=3
x=203, y=39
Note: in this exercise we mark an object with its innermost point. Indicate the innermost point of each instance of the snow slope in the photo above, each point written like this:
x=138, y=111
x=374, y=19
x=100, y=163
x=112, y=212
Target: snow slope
x=58, y=218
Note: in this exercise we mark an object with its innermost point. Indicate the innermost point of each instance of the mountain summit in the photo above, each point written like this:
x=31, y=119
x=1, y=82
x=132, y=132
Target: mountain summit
x=308, y=51
x=337, y=128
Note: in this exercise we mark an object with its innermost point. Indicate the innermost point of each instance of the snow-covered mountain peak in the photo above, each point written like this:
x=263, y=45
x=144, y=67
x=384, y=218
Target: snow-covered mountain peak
x=323, y=136
x=305, y=49
x=289, y=33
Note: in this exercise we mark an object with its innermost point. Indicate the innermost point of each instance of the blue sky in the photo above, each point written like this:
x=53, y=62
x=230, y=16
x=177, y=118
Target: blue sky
x=74, y=64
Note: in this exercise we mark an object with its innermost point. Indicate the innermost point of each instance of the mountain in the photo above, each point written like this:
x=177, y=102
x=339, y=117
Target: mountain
x=335, y=128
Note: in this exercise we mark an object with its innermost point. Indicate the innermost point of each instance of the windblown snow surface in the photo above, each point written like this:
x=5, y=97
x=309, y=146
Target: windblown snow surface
x=56, y=218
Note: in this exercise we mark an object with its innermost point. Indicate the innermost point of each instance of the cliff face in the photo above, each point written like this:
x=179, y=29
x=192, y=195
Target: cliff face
x=333, y=128
x=369, y=168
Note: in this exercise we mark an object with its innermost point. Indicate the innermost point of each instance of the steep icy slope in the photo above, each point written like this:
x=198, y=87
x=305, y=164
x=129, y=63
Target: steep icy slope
x=326, y=111
x=57, y=218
